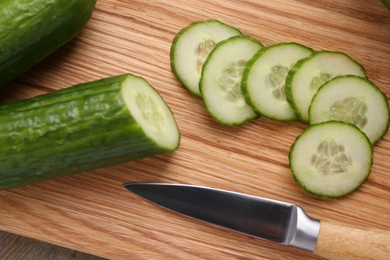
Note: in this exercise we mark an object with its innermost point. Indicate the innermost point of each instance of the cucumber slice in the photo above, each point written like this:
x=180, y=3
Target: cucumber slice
x=220, y=83
x=354, y=100
x=192, y=45
x=84, y=127
x=310, y=73
x=331, y=159
x=264, y=77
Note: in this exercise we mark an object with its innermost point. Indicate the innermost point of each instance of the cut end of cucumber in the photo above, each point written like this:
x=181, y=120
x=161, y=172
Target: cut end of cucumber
x=151, y=112
x=331, y=159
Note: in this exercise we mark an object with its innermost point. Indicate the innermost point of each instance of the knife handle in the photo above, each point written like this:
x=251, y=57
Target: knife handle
x=336, y=241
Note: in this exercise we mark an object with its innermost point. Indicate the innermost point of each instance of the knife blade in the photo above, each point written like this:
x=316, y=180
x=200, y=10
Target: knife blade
x=269, y=219
x=273, y=220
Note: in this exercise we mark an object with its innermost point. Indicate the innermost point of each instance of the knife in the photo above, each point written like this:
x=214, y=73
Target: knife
x=272, y=220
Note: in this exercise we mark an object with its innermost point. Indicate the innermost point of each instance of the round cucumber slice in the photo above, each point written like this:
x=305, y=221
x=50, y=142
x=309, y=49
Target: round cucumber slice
x=331, y=159
x=354, y=100
x=220, y=83
x=308, y=74
x=264, y=77
x=192, y=45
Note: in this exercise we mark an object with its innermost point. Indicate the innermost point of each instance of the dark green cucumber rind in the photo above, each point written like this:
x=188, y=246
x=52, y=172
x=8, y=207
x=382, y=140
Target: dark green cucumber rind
x=386, y=3
x=201, y=85
x=172, y=51
x=31, y=31
x=297, y=66
x=244, y=81
x=80, y=128
x=235, y=124
x=288, y=87
x=374, y=87
x=307, y=189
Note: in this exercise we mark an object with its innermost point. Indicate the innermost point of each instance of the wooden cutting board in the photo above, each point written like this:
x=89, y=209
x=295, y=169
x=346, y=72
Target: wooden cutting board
x=92, y=213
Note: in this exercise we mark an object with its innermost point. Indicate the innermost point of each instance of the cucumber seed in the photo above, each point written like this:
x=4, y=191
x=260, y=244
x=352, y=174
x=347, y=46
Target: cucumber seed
x=331, y=158
x=202, y=51
x=317, y=81
x=150, y=111
x=276, y=80
x=230, y=82
x=351, y=110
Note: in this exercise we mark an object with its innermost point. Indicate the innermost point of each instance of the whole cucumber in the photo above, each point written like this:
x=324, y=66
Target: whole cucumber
x=31, y=30
x=83, y=127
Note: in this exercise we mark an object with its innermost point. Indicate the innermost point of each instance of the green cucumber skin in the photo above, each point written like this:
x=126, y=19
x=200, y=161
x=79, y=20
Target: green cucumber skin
x=30, y=31
x=247, y=70
x=173, y=46
x=308, y=190
x=80, y=128
x=288, y=87
x=386, y=3
x=295, y=68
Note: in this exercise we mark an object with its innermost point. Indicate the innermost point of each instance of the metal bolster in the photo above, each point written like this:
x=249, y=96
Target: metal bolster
x=306, y=230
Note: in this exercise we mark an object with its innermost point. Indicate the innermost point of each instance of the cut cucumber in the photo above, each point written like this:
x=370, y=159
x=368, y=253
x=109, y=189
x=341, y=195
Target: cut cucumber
x=220, y=83
x=264, y=77
x=83, y=127
x=331, y=159
x=354, y=100
x=31, y=30
x=310, y=73
x=192, y=45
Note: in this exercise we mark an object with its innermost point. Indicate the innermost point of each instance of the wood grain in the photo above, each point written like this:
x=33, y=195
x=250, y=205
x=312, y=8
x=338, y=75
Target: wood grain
x=91, y=212
x=22, y=248
x=341, y=242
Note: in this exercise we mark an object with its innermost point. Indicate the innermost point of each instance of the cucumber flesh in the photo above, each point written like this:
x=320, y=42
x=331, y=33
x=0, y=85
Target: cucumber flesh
x=263, y=81
x=192, y=45
x=310, y=73
x=331, y=159
x=151, y=113
x=84, y=127
x=220, y=83
x=354, y=100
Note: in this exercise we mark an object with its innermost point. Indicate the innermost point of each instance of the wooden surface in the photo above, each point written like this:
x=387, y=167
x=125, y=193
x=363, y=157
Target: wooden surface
x=91, y=212
x=21, y=248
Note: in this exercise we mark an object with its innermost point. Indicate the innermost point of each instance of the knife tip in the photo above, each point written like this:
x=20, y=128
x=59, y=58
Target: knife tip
x=132, y=186
x=129, y=185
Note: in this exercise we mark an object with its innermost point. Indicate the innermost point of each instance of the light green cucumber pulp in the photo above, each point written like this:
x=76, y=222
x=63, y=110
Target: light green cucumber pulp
x=354, y=100
x=308, y=74
x=220, y=83
x=331, y=159
x=192, y=45
x=31, y=30
x=84, y=127
x=263, y=80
